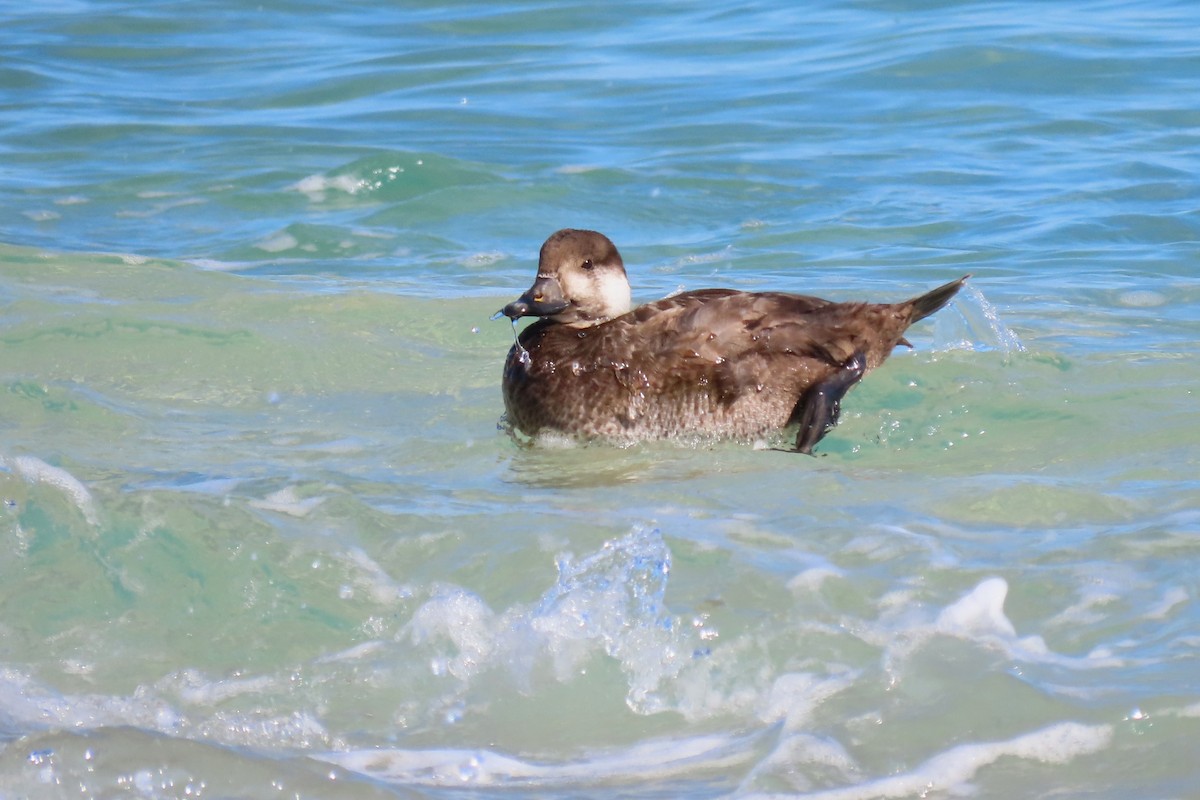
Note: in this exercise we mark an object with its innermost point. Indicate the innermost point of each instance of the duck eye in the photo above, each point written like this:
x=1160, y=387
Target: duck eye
x=587, y=263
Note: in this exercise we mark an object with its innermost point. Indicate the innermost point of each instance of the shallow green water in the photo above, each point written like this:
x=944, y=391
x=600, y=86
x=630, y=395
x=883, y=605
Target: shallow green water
x=263, y=535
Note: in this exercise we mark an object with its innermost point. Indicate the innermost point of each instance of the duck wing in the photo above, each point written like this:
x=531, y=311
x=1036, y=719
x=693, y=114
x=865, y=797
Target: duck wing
x=723, y=327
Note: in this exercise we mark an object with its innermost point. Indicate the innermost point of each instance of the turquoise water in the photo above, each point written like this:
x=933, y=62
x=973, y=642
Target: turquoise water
x=261, y=535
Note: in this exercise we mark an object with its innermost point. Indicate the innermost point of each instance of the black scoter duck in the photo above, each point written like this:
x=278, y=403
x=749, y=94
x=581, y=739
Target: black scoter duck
x=717, y=363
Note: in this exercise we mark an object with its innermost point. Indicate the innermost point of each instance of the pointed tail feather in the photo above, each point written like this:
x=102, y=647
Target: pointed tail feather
x=930, y=302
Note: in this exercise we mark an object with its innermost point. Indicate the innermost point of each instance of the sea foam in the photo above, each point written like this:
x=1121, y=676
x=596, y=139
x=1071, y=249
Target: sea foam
x=36, y=471
x=952, y=770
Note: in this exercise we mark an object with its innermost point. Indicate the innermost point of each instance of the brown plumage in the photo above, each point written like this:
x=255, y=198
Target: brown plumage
x=716, y=363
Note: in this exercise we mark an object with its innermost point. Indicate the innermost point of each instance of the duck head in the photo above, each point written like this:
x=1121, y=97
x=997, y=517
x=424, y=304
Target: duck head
x=580, y=281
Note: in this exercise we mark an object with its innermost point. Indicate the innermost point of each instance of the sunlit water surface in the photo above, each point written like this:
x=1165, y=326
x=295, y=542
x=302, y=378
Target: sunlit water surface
x=262, y=534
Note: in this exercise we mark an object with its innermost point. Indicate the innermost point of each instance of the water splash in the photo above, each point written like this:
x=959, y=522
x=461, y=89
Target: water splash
x=614, y=598
x=523, y=356
x=976, y=326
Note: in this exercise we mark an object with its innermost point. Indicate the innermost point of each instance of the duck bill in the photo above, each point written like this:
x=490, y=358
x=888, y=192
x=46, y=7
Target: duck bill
x=544, y=299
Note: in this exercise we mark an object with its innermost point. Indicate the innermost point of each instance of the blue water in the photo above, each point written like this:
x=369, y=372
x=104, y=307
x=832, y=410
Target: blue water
x=262, y=534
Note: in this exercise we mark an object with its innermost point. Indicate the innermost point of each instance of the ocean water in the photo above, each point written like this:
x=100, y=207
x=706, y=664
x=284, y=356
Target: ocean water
x=263, y=535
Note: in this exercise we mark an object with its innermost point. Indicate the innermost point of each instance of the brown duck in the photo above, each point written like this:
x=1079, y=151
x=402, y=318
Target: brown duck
x=717, y=363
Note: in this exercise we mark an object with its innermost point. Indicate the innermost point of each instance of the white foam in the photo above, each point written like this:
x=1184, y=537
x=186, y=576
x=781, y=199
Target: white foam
x=1142, y=298
x=978, y=616
x=315, y=187
x=1173, y=597
x=34, y=706
x=951, y=771
x=656, y=759
x=213, y=265
x=288, y=501
x=1187, y=711
x=980, y=612
x=299, y=730
x=555, y=440
x=463, y=619
x=811, y=579
x=196, y=690
x=483, y=259
x=1088, y=610
x=36, y=471
x=372, y=578
x=705, y=258
x=795, y=695
x=793, y=757
x=159, y=208
x=278, y=243
x=358, y=652
x=29, y=705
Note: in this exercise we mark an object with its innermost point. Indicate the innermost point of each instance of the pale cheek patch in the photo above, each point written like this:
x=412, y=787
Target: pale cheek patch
x=601, y=296
x=614, y=294
x=572, y=287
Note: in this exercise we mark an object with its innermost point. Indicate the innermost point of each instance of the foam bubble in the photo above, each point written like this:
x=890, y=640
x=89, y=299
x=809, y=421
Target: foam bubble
x=1088, y=610
x=27, y=705
x=555, y=440
x=30, y=705
x=372, y=578
x=288, y=501
x=463, y=619
x=656, y=759
x=1187, y=711
x=1173, y=597
x=35, y=470
x=811, y=579
x=358, y=652
x=214, y=265
x=951, y=771
x=483, y=259
x=1142, y=298
x=315, y=187
x=979, y=612
x=978, y=616
x=195, y=690
x=794, y=757
x=794, y=696
x=705, y=258
x=278, y=243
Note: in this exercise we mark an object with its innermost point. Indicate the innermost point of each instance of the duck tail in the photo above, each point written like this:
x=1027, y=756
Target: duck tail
x=930, y=302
